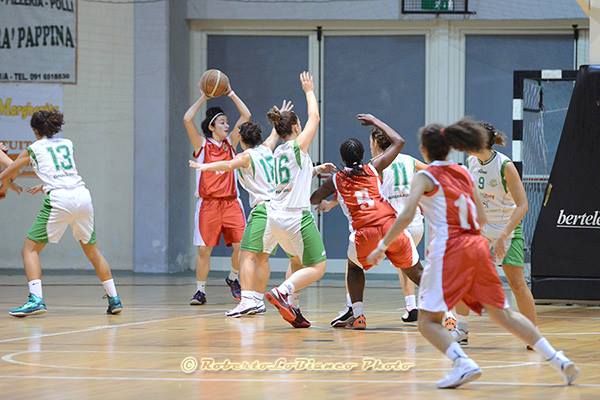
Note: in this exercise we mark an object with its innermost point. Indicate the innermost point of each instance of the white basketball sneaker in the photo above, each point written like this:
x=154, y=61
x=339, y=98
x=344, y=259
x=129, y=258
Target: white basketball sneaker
x=244, y=307
x=566, y=367
x=464, y=370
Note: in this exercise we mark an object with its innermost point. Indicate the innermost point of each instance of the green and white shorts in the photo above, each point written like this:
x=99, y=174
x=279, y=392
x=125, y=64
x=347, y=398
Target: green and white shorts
x=515, y=245
x=62, y=208
x=297, y=233
x=255, y=239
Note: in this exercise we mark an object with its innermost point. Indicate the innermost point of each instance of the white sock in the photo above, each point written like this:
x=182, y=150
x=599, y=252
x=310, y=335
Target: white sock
x=109, y=287
x=247, y=296
x=233, y=275
x=357, y=309
x=545, y=349
x=258, y=296
x=411, y=302
x=201, y=286
x=348, y=300
x=454, y=351
x=286, y=287
x=35, y=287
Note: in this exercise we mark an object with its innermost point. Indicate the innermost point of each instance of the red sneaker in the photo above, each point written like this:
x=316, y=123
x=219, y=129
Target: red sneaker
x=280, y=301
x=300, y=321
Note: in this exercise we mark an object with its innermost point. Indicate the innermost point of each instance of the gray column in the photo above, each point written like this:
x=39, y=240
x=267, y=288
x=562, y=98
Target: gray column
x=162, y=208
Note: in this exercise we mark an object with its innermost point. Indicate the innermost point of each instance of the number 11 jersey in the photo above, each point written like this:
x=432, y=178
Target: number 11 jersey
x=53, y=162
x=450, y=208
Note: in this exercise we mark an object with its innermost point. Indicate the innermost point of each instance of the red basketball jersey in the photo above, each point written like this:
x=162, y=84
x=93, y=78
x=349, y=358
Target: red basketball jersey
x=450, y=208
x=360, y=198
x=216, y=185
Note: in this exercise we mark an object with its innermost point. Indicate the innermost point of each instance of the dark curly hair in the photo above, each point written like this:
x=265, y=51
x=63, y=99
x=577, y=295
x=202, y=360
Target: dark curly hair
x=209, y=120
x=47, y=123
x=250, y=133
x=464, y=135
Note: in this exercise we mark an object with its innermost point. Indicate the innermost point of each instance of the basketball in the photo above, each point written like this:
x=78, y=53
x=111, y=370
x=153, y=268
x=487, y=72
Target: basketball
x=214, y=83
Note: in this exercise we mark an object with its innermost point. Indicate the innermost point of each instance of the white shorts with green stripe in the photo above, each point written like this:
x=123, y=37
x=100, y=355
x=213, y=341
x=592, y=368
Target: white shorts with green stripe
x=62, y=208
x=257, y=239
x=297, y=233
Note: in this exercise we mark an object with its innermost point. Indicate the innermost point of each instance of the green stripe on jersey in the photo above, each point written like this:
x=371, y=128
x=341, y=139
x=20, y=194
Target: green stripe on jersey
x=297, y=153
x=31, y=154
x=253, y=166
x=503, y=175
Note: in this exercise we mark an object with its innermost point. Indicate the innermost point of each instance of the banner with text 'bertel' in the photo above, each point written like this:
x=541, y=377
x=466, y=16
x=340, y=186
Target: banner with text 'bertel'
x=566, y=242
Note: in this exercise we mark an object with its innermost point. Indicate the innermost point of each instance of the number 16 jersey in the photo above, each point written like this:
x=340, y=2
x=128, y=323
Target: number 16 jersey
x=293, y=177
x=53, y=162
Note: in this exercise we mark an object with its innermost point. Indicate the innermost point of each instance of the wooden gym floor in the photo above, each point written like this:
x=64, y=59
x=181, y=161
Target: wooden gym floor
x=75, y=351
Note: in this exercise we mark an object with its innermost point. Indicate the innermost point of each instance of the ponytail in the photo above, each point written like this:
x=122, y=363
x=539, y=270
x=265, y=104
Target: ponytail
x=494, y=136
x=352, y=152
x=464, y=135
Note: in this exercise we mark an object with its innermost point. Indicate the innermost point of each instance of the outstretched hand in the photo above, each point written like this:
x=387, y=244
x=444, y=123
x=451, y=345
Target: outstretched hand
x=499, y=248
x=326, y=168
x=307, y=82
x=35, y=189
x=286, y=106
x=376, y=256
x=326, y=205
x=196, y=165
x=15, y=188
x=366, y=119
x=3, y=147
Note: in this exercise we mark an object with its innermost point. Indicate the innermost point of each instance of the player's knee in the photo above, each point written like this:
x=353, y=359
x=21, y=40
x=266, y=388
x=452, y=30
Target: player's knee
x=204, y=251
x=320, y=269
x=422, y=322
x=91, y=252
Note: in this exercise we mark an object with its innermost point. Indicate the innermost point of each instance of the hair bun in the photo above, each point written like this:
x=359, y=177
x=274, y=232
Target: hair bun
x=274, y=115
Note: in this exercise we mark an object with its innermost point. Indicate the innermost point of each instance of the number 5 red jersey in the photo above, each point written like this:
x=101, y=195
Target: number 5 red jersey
x=360, y=197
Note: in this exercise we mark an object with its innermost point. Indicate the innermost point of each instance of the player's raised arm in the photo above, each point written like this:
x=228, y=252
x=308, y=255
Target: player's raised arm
x=245, y=116
x=196, y=138
x=389, y=155
x=307, y=135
